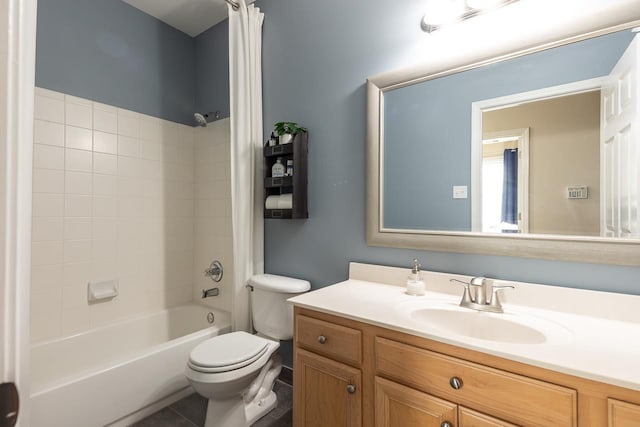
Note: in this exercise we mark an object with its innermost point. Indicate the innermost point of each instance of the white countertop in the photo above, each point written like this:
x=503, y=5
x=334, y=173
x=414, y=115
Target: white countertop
x=593, y=335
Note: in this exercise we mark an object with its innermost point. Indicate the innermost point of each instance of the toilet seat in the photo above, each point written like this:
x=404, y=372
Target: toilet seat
x=227, y=352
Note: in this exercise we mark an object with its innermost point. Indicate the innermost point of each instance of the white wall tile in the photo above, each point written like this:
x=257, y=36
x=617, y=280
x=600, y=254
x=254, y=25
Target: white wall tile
x=78, y=138
x=75, y=320
x=75, y=274
x=49, y=93
x=49, y=109
x=105, y=163
x=70, y=99
x=128, y=124
x=76, y=205
x=106, y=206
x=46, y=253
x=45, y=204
x=104, y=228
x=48, y=157
x=150, y=150
x=46, y=229
x=104, y=185
x=77, y=228
x=48, y=181
x=77, y=251
x=78, y=160
x=46, y=276
x=128, y=146
x=77, y=183
x=105, y=121
x=48, y=133
x=78, y=115
x=105, y=142
x=74, y=296
x=104, y=249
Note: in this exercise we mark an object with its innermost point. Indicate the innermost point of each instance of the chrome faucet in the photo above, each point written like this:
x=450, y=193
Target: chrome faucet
x=213, y=292
x=480, y=294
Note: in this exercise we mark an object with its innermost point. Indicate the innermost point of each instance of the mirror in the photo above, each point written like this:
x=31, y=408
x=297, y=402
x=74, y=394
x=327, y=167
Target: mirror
x=511, y=152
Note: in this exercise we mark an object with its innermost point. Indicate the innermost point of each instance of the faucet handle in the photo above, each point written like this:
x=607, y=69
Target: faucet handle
x=466, y=298
x=495, y=301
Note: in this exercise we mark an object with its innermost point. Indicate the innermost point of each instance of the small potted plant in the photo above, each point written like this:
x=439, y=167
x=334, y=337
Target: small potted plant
x=286, y=130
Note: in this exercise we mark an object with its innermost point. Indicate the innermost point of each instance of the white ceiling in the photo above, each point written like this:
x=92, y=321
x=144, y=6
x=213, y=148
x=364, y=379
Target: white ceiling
x=189, y=16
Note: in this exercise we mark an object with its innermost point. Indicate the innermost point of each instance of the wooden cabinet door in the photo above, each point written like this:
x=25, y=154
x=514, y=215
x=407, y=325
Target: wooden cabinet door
x=327, y=393
x=400, y=406
x=623, y=414
x=470, y=418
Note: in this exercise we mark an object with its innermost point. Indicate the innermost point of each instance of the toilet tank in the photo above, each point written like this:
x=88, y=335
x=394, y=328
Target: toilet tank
x=272, y=314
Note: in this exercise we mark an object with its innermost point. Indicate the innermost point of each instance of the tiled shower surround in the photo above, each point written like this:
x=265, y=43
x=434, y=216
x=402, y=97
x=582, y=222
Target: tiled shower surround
x=121, y=195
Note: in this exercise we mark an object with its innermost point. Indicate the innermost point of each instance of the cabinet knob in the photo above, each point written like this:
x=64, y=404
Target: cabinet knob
x=351, y=388
x=446, y=424
x=455, y=383
x=322, y=339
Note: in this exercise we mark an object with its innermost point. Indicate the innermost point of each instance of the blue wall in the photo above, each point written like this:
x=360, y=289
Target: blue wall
x=316, y=58
x=427, y=146
x=108, y=51
x=212, y=70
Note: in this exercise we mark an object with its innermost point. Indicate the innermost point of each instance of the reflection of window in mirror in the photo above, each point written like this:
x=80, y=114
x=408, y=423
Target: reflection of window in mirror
x=502, y=190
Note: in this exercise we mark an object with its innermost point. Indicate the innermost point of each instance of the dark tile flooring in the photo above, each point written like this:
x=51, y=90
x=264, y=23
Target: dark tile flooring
x=191, y=412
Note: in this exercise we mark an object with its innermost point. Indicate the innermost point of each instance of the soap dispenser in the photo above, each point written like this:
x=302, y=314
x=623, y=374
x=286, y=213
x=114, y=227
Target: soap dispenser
x=415, y=282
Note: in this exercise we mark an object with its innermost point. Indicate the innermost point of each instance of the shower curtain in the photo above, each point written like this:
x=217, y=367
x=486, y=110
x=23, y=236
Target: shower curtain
x=245, y=79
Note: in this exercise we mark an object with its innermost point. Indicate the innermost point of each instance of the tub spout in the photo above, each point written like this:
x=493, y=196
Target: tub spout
x=213, y=292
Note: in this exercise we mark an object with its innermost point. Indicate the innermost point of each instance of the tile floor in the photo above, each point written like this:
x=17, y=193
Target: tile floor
x=191, y=411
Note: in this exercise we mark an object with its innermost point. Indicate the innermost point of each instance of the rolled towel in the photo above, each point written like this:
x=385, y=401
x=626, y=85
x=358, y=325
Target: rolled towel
x=285, y=201
x=272, y=202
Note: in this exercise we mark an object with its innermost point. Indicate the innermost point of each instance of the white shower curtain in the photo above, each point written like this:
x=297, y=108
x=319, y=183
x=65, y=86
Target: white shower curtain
x=245, y=78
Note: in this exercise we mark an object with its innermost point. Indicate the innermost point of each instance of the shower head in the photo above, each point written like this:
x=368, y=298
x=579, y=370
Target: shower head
x=202, y=118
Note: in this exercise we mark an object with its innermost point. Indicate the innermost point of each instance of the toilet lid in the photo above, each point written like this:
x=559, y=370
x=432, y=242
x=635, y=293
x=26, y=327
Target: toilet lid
x=227, y=352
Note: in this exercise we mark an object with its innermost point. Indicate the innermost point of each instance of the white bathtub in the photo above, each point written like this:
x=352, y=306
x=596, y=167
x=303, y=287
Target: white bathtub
x=118, y=373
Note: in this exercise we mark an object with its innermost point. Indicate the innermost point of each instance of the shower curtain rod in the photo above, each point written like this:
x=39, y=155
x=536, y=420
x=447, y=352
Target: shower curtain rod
x=233, y=4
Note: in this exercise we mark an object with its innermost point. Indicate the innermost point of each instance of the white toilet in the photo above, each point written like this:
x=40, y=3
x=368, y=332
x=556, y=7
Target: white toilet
x=236, y=371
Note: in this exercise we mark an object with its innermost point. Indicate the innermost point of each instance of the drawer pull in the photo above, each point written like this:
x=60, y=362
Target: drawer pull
x=322, y=339
x=351, y=388
x=446, y=424
x=455, y=383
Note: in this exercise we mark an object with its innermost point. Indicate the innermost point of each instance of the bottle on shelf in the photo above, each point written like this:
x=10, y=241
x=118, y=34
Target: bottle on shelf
x=290, y=167
x=277, y=170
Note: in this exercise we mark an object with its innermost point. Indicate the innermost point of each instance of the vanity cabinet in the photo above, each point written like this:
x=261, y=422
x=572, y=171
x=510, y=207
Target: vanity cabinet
x=401, y=380
x=328, y=389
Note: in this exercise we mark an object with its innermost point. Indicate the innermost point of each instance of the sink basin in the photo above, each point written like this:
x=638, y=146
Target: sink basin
x=480, y=325
x=509, y=328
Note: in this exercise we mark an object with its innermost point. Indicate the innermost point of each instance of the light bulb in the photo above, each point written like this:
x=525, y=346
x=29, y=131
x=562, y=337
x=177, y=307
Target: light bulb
x=440, y=12
x=483, y=4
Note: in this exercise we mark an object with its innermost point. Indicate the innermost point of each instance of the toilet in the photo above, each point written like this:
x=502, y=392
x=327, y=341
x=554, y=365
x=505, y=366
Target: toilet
x=236, y=371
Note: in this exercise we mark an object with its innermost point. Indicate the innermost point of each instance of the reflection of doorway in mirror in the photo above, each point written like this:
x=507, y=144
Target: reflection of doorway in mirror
x=497, y=195
x=564, y=123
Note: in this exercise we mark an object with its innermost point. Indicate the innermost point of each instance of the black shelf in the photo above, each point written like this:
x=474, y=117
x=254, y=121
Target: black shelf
x=285, y=181
x=296, y=184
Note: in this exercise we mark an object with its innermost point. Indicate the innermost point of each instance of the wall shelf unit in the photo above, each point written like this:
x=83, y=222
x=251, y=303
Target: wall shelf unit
x=293, y=186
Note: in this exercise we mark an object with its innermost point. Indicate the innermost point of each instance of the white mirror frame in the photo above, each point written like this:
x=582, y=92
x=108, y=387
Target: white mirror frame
x=573, y=26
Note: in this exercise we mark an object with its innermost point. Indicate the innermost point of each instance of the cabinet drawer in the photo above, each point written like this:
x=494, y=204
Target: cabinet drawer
x=471, y=418
x=511, y=397
x=335, y=341
x=623, y=414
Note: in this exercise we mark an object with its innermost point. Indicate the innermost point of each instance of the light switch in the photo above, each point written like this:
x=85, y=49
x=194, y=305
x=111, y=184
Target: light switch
x=459, y=191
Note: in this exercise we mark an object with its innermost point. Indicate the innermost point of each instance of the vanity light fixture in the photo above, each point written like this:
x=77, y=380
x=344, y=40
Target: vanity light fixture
x=442, y=12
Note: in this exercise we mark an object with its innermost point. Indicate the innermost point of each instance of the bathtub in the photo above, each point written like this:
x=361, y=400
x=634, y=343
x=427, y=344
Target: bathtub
x=119, y=373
